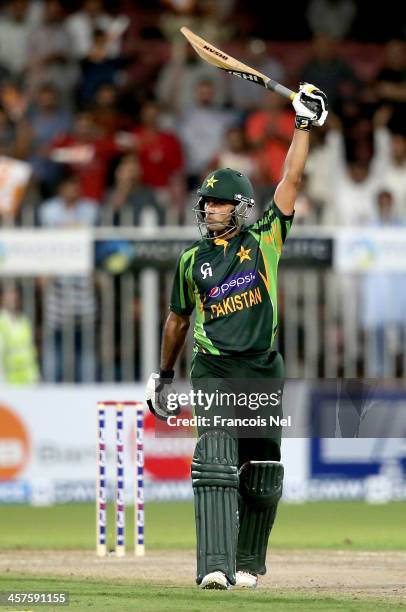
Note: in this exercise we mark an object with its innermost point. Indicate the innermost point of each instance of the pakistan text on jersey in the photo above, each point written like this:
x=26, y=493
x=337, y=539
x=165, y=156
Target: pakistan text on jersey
x=231, y=304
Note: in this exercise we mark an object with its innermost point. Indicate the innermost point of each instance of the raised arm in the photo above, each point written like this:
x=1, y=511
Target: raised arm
x=311, y=109
x=286, y=191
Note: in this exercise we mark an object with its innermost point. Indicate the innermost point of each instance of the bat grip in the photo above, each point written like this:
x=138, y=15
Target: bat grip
x=280, y=89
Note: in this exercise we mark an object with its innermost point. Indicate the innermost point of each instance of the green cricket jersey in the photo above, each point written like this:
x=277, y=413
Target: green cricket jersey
x=233, y=286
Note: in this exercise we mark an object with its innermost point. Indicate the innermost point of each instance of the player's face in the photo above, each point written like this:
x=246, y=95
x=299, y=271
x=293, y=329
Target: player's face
x=218, y=214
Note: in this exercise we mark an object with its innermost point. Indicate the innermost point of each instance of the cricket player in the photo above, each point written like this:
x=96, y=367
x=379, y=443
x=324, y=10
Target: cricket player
x=230, y=278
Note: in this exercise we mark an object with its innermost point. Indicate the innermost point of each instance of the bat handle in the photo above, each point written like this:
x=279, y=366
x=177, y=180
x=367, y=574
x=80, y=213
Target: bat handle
x=280, y=89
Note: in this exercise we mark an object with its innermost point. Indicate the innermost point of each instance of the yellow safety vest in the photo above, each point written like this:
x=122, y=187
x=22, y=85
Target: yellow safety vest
x=17, y=351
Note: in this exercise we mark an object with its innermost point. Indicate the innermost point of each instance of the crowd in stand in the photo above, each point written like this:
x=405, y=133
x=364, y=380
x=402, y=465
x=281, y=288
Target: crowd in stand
x=134, y=115
x=106, y=112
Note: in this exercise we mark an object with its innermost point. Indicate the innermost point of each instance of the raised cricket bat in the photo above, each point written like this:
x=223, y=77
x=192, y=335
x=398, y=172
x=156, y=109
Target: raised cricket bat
x=221, y=60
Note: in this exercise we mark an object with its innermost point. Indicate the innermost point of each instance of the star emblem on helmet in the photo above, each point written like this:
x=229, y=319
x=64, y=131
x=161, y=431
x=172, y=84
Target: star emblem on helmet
x=211, y=181
x=244, y=254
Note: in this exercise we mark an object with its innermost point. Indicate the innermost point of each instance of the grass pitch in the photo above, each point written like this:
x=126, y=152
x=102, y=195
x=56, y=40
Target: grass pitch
x=95, y=595
x=329, y=526
x=323, y=525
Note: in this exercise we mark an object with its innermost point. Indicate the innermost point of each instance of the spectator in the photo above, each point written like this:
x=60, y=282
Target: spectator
x=357, y=145
x=15, y=172
x=161, y=160
x=269, y=130
x=5, y=75
x=215, y=19
x=318, y=168
x=15, y=28
x=177, y=79
x=70, y=306
x=333, y=17
x=98, y=67
x=329, y=72
x=7, y=134
x=392, y=149
x=395, y=175
x=201, y=129
x=211, y=18
x=46, y=120
x=236, y=153
x=82, y=24
x=86, y=152
x=106, y=113
x=306, y=209
x=14, y=100
x=68, y=208
x=383, y=303
x=18, y=356
x=255, y=54
x=51, y=53
x=391, y=83
x=353, y=183
x=129, y=198
x=187, y=7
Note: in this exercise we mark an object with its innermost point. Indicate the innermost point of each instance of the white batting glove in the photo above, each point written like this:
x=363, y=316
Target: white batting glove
x=157, y=392
x=311, y=107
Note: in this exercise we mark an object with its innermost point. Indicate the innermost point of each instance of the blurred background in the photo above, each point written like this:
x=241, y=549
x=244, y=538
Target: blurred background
x=108, y=123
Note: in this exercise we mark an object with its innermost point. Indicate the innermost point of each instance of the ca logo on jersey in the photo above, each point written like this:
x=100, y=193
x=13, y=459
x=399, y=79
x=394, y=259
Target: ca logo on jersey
x=206, y=270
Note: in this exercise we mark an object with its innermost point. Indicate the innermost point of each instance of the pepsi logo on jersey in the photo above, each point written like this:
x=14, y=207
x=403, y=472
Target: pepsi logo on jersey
x=232, y=283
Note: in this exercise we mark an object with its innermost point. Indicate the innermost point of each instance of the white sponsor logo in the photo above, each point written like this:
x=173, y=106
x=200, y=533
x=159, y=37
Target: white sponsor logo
x=232, y=284
x=206, y=270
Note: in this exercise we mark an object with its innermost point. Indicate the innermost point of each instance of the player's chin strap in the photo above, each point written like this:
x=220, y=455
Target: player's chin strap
x=212, y=236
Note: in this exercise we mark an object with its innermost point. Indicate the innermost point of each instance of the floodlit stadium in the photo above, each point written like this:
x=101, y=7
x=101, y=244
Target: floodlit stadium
x=202, y=305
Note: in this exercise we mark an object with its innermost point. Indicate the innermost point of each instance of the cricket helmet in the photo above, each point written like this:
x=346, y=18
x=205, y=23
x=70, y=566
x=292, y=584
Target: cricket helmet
x=225, y=184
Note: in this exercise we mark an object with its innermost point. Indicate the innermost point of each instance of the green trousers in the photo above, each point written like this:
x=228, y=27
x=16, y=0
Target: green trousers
x=242, y=373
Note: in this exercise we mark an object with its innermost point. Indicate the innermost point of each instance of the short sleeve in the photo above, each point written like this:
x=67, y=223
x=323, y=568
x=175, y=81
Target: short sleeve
x=274, y=226
x=183, y=295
